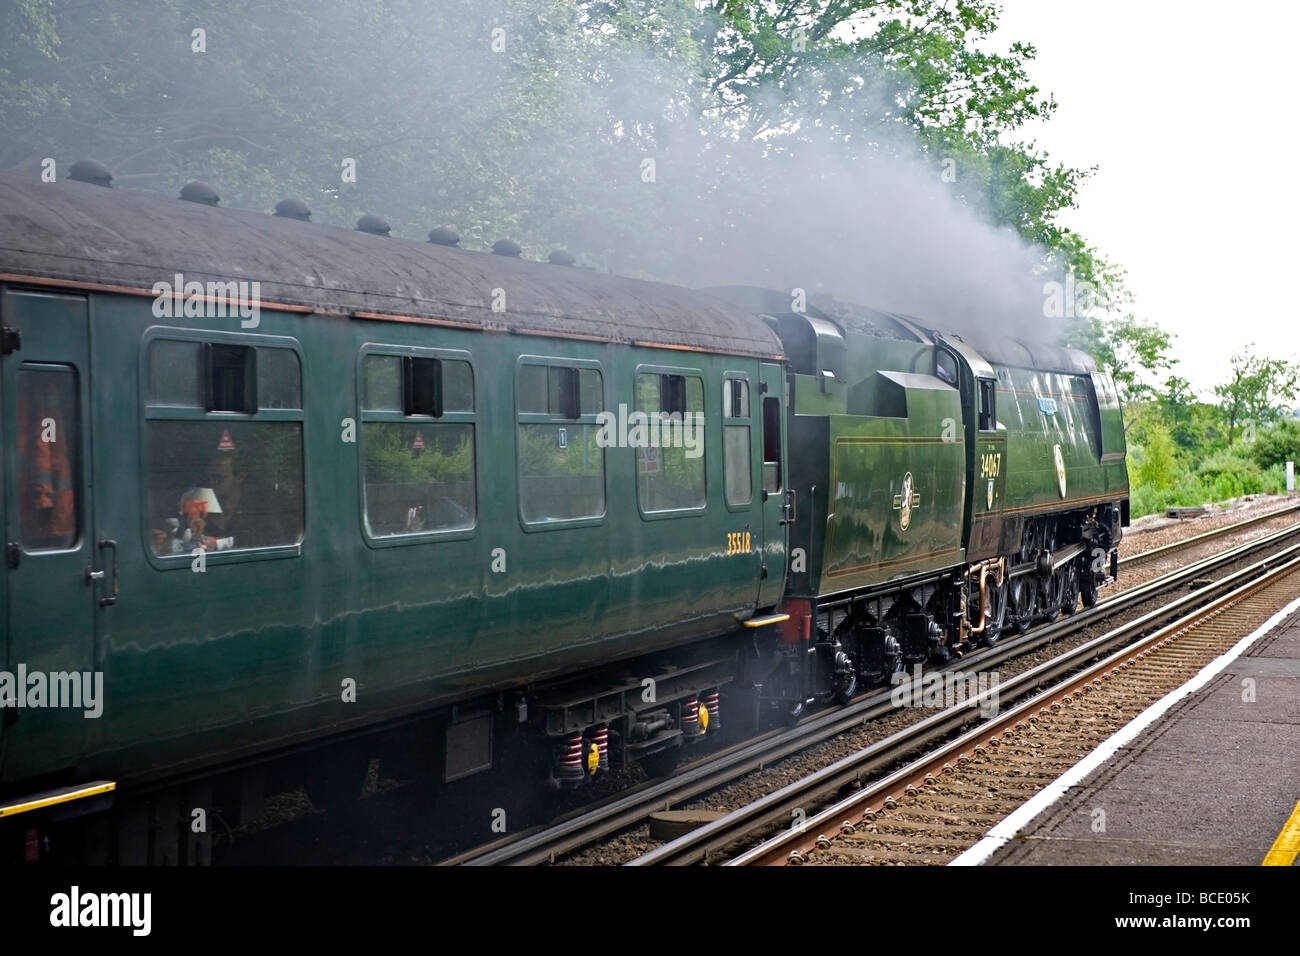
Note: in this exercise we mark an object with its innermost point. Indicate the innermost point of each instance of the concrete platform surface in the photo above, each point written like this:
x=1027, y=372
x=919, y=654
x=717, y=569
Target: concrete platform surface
x=1208, y=775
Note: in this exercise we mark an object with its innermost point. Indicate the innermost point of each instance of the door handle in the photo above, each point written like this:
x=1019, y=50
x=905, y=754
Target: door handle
x=108, y=544
x=788, y=506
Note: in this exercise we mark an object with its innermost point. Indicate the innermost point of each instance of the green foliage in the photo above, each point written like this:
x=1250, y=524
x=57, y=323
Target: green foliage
x=541, y=455
x=1156, y=466
x=528, y=139
x=447, y=456
x=1190, y=463
x=1277, y=445
x=1131, y=350
x=1226, y=475
x=1257, y=391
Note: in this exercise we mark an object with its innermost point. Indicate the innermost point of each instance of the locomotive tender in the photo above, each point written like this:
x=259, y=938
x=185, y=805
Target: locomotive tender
x=384, y=508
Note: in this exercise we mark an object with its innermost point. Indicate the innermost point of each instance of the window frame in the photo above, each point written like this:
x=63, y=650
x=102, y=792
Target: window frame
x=987, y=386
x=727, y=420
x=702, y=375
x=197, y=413
x=76, y=469
x=546, y=418
x=400, y=417
x=782, y=465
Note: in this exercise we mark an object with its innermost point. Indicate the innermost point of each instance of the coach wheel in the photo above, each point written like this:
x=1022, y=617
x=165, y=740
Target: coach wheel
x=335, y=782
x=663, y=762
x=846, y=688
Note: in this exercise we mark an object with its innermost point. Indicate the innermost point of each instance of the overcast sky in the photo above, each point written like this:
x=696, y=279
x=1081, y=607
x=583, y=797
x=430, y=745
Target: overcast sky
x=1188, y=109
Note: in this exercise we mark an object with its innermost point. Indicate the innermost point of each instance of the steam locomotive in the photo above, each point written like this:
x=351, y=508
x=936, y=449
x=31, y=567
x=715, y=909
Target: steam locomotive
x=272, y=487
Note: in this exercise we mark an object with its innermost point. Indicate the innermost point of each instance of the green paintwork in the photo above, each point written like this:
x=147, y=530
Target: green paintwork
x=254, y=652
x=1032, y=434
x=852, y=447
x=51, y=605
x=854, y=439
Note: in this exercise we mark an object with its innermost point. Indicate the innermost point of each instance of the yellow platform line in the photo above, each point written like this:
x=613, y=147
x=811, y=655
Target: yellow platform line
x=1287, y=845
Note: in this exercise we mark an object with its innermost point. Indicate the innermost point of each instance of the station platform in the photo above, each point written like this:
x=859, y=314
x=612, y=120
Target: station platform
x=1208, y=775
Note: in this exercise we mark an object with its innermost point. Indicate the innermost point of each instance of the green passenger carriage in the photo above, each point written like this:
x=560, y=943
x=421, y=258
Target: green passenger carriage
x=270, y=487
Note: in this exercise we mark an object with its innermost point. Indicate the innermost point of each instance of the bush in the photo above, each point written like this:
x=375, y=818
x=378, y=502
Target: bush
x=1156, y=463
x=1228, y=475
x=1278, y=444
x=1275, y=479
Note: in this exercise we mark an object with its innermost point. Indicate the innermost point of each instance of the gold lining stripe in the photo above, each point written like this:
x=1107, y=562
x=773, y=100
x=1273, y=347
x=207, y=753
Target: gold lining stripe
x=1051, y=506
x=895, y=441
x=891, y=562
x=51, y=798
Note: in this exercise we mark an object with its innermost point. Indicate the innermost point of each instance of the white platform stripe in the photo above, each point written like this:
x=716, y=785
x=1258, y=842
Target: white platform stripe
x=1004, y=832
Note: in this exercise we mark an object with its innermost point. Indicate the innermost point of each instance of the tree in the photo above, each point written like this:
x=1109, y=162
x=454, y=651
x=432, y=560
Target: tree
x=1158, y=467
x=537, y=131
x=1178, y=402
x=1258, y=389
x=1131, y=350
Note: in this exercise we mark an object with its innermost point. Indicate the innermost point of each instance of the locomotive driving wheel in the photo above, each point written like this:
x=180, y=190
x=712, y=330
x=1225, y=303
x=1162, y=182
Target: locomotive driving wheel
x=1053, y=596
x=1088, y=586
x=997, y=612
x=1023, y=602
x=1070, y=588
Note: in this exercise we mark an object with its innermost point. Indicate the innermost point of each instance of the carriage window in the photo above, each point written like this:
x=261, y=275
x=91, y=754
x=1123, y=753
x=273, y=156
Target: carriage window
x=670, y=453
x=279, y=379
x=224, y=447
x=422, y=386
x=49, y=459
x=381, y=379
x=418, y=444
x=224, y=486
x=231, y=380
x=736, y=441
x=561, y=462
x=174, y=373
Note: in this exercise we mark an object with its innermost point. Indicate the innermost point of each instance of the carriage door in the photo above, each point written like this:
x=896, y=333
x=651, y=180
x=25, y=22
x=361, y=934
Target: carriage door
x=771, y=393
x=51, y=562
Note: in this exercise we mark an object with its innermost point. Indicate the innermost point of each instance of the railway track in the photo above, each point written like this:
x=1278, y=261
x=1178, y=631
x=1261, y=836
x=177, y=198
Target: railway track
x=1185, y=544
x=544, y=844
x=933, y=809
